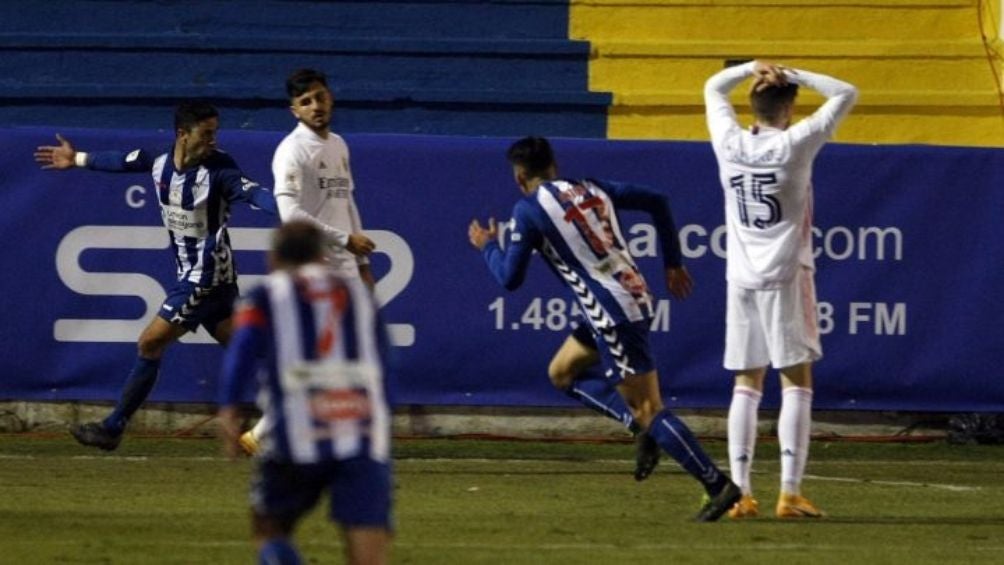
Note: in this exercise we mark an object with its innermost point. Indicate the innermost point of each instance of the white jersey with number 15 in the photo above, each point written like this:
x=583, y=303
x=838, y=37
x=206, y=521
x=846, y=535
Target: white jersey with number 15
x=766, y=174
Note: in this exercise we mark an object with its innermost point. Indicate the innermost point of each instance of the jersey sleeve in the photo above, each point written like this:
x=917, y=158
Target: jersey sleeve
x=287, y=172
x=509, y=266
x=240, y=362
x=720, y=114
x=135, y=161
x=355, y=220
x=239, y=188
x=840, y=98
x=357, y=226
x=626, y=196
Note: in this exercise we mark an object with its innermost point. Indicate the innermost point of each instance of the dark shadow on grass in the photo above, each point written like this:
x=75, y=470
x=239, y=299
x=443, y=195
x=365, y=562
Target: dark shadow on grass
x=911, y=520
x=529, y=472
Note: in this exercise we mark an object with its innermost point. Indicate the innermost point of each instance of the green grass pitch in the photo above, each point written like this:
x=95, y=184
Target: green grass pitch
x=159, y=500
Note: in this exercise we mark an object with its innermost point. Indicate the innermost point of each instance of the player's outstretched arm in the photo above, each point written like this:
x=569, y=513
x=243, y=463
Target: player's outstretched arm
x=59, y=157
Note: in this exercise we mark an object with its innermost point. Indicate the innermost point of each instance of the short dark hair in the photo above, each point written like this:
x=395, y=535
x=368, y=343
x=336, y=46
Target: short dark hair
x=301, y=79
x=191, y=112
x=532, y=153
x=769, y=103
x=298, y=243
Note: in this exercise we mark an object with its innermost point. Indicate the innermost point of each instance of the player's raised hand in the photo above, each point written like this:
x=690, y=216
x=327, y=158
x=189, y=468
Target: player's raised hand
x=679, y=282
x=479, y=236
x=359, y=244
x=56, y=156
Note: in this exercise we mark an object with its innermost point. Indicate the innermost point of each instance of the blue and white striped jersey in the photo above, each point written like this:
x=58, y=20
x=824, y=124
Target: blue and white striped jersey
x=195, y=207
x=321, y=348
x=574, y=224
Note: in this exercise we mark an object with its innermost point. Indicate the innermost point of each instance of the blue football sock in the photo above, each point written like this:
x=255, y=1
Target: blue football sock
x=677, y=440
x=278, y=551
x=137, y=387
x=600, y=394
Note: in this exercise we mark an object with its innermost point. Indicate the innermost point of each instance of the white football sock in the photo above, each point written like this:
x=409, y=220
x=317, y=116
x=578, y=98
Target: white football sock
x=793, y=427
x=259, y=428
x=742, y=435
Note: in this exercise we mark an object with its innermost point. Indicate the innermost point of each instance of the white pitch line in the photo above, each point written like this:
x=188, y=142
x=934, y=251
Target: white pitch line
x=952, y=488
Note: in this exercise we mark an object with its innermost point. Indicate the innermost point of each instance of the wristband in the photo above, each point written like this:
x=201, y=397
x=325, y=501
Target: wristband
x=80, y=159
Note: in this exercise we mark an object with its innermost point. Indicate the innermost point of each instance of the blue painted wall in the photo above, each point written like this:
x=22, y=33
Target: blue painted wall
x=440, y=67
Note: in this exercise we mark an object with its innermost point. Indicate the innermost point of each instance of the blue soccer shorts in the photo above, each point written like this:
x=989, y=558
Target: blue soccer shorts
x=624, y=349
x=190, y=306
x=360, y=490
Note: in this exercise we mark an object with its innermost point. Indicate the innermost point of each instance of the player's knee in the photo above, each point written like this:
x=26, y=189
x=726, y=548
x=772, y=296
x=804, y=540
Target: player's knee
x=644, y=410
x=151, y=347
x=561, y=376
x=264, y=527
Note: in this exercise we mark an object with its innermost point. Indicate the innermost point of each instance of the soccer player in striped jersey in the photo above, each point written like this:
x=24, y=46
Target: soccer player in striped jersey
x=766, y=173
x=574, y=225
x=313, y=341
x=313, y=183
x=195, y=185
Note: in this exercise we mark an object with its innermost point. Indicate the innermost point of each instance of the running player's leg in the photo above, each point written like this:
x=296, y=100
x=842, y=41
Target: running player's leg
x=216, y=312
x=107, y=434
x=570, y=373
x=184, y=309
x=361, y=503
x=641, y=392
x=367, y=546
x=154, y=340
x=281, y=493
x=218, y=321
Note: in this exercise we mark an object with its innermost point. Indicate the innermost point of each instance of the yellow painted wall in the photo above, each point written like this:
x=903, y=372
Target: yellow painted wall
x=921, y=65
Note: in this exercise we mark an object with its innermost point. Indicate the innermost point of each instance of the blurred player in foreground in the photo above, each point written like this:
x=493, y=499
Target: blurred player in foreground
x=313, y=183
x=195, y=184
x=574, y=225
x=317, y=339
x=766, y=173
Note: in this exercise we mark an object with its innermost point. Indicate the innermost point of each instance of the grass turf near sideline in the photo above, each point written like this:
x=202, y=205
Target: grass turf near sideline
x=159, y=500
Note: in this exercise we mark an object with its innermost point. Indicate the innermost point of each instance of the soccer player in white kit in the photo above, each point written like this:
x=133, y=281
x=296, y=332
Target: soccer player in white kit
x=766, y=173
x=313, y=183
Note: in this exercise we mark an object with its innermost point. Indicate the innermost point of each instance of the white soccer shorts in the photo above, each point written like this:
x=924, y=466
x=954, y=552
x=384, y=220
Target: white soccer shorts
x=776, y=326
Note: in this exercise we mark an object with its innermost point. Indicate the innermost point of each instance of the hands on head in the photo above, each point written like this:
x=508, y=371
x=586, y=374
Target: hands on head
x=767, y=74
